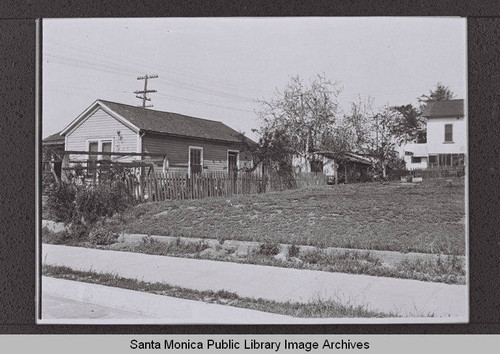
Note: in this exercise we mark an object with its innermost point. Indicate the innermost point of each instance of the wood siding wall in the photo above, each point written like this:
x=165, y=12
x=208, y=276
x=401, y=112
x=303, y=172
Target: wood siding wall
x=177, y=151
x=100, y=125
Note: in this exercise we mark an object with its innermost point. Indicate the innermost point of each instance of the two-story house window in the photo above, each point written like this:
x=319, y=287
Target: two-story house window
x=448, y=133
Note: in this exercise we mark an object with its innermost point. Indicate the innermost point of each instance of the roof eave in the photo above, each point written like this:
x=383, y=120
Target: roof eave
x=191, y=137
x=446, y=116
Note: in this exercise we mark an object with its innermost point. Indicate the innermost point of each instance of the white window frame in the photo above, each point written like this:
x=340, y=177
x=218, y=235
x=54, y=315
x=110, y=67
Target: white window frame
x=99, y=145
x=189, y=157
x=237, y=160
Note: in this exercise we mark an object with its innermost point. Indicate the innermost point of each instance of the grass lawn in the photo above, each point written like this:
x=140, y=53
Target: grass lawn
x=421, y=217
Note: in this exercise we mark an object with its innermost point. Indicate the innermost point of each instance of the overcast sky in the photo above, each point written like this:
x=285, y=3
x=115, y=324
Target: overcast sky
x=216, y=68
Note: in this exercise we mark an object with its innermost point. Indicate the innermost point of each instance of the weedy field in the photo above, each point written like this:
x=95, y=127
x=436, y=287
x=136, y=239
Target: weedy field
x=423, y=217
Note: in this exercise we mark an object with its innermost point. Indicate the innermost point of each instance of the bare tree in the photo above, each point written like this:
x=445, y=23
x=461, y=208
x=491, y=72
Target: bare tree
x=371, y=133
x=305, y=113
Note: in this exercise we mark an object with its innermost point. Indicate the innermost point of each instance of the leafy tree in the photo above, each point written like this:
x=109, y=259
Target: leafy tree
x=440, y=93
x=273, y=152
x=409, y=125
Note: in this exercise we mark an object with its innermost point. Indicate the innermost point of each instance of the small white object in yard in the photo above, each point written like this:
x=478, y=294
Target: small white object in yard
x=296, y=260
x=210, y=252
x=162, y=213
x=280, y=257
x=241, y=253
x=417, y=179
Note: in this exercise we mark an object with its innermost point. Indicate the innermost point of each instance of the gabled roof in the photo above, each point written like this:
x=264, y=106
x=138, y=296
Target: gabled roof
x=443, y=109
x=168, y=123
x=53, y=139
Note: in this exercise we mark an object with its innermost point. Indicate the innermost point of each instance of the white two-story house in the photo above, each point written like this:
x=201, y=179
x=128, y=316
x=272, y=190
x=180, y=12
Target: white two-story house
x=446, y=137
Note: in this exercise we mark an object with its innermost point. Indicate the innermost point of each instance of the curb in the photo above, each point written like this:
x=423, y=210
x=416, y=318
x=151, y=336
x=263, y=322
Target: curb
x=388, y=257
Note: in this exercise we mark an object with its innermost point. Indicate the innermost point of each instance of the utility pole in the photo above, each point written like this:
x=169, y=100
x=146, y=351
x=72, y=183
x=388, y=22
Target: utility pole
x=144, y=98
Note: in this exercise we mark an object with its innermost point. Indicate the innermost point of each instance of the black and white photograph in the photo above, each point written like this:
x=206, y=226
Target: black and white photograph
x=240, y=170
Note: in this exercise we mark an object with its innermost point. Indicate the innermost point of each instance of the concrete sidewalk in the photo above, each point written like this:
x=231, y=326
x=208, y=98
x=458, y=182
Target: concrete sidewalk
x=62, y=310
x=409, y=298
x=66, y=301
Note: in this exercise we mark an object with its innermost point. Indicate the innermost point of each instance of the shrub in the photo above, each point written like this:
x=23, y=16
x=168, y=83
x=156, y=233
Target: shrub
x=293, y=250
x=314, y=256
x=101, y=236
x=148, y=241
x=49, y=236
x=86, y=204
x=78, y=231
x=61, y=201
x=269, y=248
x=101, y=200
x=48, y=180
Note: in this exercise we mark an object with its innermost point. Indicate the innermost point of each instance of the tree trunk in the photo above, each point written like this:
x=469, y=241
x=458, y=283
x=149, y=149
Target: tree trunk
x=336, y=172
x=64, y=164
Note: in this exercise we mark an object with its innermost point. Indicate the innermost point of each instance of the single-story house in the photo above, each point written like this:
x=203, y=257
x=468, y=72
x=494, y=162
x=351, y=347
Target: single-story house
x=350, y=168
x=187, y=144
x=416, y=156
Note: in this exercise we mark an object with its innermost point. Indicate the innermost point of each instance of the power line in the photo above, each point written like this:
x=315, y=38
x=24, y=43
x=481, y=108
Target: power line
x=174, y=76
x=231, y=85
x=113, y=68
x=144, y=92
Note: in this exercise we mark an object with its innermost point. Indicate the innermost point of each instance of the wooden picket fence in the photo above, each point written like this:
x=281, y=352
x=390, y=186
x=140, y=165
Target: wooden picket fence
x=159, y=186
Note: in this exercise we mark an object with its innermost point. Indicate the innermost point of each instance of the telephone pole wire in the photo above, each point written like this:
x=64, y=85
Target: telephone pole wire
x=145, y=98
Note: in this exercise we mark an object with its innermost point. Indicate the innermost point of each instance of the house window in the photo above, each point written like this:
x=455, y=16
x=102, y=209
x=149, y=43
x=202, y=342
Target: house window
x=92, y=159
x=433, y=161
x=445, y=160
x=98, y=145
x=233, y=162
x=316, y=166
x=448, y=133
x=458, y=160
x=415, y=159
x=106, y=147
x=195, y=160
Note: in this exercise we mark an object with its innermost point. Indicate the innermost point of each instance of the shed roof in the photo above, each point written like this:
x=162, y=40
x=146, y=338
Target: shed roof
x=442, y=109
x=418, y=150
